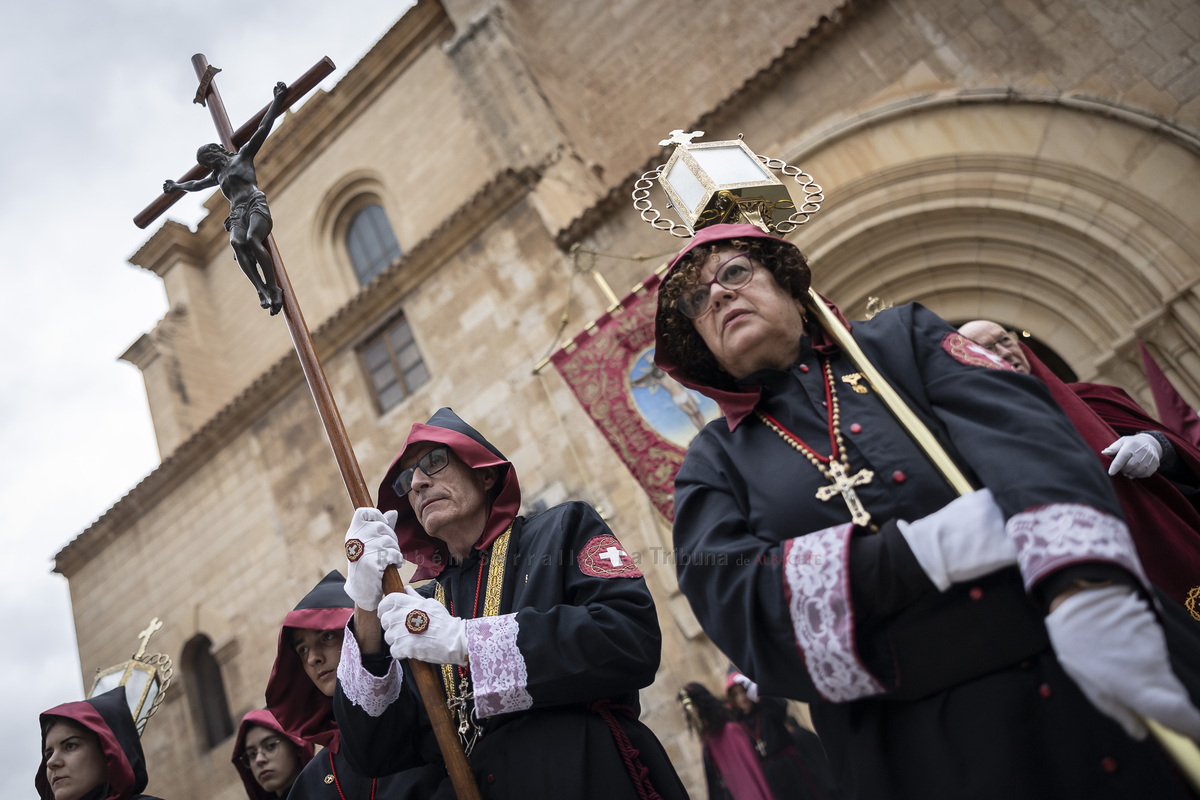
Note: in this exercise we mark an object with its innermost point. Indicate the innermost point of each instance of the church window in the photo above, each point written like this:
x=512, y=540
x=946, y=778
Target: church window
x=371, y=243
x=393, y=364
x=206, y=692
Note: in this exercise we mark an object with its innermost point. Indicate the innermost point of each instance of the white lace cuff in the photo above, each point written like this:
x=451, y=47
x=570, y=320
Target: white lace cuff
x=497, y=667
x=371, y=693
x=817, y=591
x=1061, y=534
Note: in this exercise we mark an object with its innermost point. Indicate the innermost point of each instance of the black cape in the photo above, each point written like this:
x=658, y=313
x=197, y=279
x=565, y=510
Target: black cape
x=556, y=671
x=108, y=717
x=915, y=693
x=299, y=706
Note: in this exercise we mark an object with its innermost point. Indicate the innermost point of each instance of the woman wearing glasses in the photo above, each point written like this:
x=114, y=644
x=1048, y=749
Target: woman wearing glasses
x=267, y=757
x=995, y=645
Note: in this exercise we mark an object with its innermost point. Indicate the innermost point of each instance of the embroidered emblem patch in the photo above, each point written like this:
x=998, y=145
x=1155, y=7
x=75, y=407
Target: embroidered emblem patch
x=354, y=550
x=417, y=621
x=967, y=352
x=603, y=557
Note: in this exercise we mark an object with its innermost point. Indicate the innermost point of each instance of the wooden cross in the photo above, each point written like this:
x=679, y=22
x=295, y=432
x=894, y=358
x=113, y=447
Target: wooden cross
x=844, y=484
x=428, y=683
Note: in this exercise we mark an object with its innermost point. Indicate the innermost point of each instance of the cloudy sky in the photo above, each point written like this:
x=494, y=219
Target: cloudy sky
x=97, y=111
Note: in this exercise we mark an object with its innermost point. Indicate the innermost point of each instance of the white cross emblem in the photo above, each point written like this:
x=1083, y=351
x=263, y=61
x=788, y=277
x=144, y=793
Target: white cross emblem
x=613, y=555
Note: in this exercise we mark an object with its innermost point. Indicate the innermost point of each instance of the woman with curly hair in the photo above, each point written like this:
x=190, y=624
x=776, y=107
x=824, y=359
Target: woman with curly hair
x=995, y=645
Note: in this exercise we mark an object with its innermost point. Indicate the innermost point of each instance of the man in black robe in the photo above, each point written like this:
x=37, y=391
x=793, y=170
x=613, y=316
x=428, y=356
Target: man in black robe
x=544, y=627
x=1155, y=471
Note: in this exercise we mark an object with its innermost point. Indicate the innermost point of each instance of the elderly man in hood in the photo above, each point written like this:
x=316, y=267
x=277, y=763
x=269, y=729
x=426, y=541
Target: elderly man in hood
x=544, y=628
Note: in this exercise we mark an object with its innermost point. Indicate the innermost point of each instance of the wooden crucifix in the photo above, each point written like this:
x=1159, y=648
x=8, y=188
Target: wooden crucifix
x=428, y=682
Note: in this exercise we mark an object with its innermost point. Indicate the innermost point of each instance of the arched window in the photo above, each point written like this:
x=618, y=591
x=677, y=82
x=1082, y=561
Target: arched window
x=371, y=243
x=206, y=692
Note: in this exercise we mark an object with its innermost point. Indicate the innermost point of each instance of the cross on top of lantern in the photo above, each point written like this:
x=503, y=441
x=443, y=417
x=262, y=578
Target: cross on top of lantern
x=145, y=678
x=711, y=182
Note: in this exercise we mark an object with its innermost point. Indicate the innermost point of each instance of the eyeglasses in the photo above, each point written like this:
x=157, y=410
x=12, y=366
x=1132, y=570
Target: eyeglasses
x=1006, y=341
x=431, y=464
x=267, y=747
x=732, y=273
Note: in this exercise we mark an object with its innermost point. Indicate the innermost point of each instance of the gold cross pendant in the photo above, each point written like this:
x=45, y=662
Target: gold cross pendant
x=844, y=484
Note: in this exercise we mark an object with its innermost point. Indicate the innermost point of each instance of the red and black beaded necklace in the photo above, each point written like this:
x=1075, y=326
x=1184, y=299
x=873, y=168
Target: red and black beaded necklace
x=835, y=467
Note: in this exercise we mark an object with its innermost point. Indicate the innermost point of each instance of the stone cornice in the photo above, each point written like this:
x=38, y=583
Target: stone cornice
x=141, y=352
x=171, y=243
x=344, y=327
x=751, y=89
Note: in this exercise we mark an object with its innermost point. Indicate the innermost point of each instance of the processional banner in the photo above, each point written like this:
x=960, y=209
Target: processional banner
x=647, y=417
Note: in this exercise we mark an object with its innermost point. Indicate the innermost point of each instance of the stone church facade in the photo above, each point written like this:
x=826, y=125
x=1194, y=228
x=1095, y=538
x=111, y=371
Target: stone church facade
x=1032, y=161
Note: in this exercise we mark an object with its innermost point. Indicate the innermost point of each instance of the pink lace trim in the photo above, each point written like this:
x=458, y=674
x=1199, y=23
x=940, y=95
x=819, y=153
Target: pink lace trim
x=369, y=692
x=497, y=666
x=1058, y=535
x=817, y=590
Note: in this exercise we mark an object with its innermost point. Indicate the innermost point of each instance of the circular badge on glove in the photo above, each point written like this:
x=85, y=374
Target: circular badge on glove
x=354, y=550
x=417, y=621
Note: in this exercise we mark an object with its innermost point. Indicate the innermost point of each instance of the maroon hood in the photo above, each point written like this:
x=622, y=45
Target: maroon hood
x=295, y=701
x=108, y=717
x=430, y=555
x=736, y=405
x=264, y=719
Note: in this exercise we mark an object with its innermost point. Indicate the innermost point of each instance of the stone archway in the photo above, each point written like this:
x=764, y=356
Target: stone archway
x=1074, y=219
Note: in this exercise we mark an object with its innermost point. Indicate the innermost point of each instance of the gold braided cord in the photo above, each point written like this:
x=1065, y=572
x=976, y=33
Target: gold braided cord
x=491, y=601
x=499, y=560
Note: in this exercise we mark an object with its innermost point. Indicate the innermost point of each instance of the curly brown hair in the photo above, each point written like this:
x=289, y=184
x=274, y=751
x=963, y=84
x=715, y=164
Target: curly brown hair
x=678, y=340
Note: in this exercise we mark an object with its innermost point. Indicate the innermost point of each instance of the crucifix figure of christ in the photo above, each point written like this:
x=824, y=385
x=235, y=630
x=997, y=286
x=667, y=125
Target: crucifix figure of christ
x=249, y=220
x=426, y=679
x=843, y=484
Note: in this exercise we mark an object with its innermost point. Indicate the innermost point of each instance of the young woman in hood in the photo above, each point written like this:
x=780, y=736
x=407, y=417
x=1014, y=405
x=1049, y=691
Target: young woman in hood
x=91, y=751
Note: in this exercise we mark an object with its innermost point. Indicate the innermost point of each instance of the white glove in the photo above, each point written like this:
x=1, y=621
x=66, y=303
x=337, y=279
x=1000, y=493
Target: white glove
x=961, y=541
x=750, y=686
x=1110, y=644
x=1134, y=456
x=421, y=628
x=370, y=547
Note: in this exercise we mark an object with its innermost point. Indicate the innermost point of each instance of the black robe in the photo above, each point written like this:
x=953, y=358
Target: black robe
x=576, y=625
x=300, y=707
x=340, y=781
x=915, y=693
x=791, y=773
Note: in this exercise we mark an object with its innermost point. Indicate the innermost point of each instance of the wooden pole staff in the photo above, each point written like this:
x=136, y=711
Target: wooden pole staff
x=428, y=683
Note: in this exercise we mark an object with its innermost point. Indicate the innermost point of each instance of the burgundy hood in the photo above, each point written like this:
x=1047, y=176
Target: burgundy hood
x=108, y=717
x=264, y=719
x=736, y=405
x=294, y=700
x=430, y=555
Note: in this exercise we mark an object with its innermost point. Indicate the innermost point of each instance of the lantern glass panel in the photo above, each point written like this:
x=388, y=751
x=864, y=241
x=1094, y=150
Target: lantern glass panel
x=686, y=185
x=729, y=165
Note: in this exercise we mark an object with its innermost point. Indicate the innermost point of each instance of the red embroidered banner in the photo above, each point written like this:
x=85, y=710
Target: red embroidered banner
x=647, y=416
